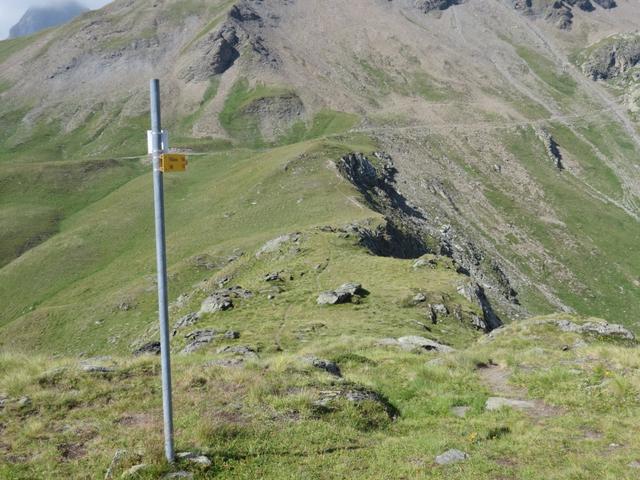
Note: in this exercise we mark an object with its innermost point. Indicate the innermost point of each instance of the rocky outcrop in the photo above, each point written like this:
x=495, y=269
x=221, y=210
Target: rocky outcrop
x=551, y=146
x=559, y=12
x=612, y=58
x=218, y=51
x=430, y=5
x=408, y=233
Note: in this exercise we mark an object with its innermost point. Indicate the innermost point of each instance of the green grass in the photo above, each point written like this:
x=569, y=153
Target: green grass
x=14, y=45
x=260, y=421
x=411, y=84
x=234, y=117
x=597, y=235
x=562, y=85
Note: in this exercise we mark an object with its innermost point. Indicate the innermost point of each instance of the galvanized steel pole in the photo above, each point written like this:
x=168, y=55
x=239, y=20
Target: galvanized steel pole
x=161, y=256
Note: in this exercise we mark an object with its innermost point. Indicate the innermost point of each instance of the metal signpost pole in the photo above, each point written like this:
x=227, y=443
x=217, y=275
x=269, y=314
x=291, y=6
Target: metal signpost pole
x=163, y=311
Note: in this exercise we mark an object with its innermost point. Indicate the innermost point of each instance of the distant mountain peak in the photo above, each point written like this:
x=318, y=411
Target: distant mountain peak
x=39, y=18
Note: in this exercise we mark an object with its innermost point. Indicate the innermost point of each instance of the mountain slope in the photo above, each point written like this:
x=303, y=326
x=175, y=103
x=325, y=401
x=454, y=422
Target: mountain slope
x=468, y=129
x=39, y=18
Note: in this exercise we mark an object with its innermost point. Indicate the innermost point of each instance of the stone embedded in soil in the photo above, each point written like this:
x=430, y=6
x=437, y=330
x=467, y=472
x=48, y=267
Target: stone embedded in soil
x=322, y=364
x=151, y=348
x=195, y=458
x=460, y=411
x=496, y=403
x=416, y=342
x=198, y=339
x=451, y=456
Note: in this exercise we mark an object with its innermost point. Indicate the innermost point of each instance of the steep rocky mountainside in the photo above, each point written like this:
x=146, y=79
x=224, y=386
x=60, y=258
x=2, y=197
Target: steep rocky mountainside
x=399, y=222
x=505, y=157
x=39, y=18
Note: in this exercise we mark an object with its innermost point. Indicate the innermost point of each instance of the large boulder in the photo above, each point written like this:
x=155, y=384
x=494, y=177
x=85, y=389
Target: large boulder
x=343, y=294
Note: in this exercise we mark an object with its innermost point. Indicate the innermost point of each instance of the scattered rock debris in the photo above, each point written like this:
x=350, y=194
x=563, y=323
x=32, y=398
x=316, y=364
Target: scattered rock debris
x=322, y=364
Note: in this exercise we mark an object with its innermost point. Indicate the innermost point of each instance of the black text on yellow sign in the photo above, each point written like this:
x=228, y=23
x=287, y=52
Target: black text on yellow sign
x=173, y=162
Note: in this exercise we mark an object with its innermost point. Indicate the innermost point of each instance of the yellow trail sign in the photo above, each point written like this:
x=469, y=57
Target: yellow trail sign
x=173, y=162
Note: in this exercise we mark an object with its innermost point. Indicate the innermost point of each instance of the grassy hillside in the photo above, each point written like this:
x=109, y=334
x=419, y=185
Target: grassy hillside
x=264, y=419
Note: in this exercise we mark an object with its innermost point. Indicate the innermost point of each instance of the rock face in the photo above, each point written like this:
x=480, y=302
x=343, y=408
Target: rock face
x=559, y=12
x=409, y=233
x=613, y=58
x=219, y=50
x=39, y=18
x=551, y=146
x=430, y=5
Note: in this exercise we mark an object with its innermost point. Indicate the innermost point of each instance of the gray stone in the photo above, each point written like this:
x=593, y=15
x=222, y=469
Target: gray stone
x=216, y=303
x=151, y=348
x=198, y=339
x=439, y=309
x=195, y=458
x=243, y=350
x=412, y=342
x=343, y=294
x=451, y=456
x=460, y=411
x=634, y=464
x=180, y=474
x=322, y=364
x=424, y=263
x=275, y=244
x=186, y=321
x=496, y=403
x=602, y=329
x=231, y=335
x=419, y=298
x=24, y=402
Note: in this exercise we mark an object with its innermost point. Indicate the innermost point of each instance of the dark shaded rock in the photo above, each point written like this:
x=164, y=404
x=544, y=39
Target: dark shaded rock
x=606, y=3
x=151, y=348
x=613, y=58
x=326, y=397
x=322, y=364
x=551, y=146
x=231, y=335
x=272, y=277
x=198, y=339
x=430, y=5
